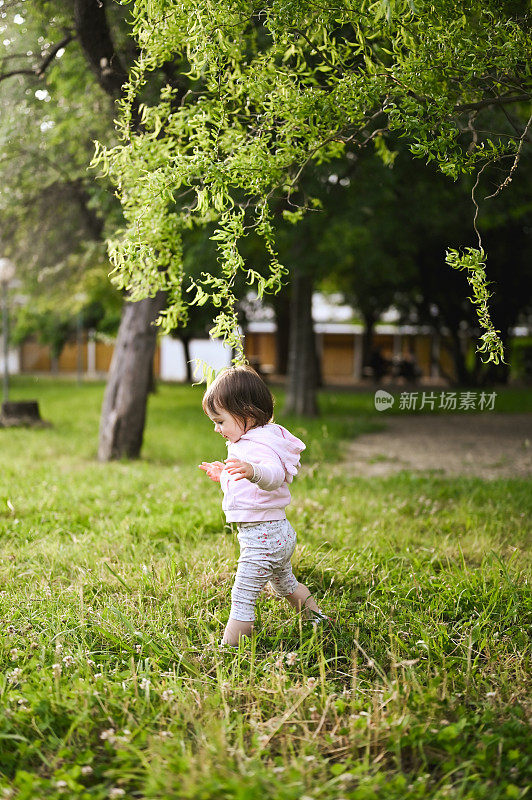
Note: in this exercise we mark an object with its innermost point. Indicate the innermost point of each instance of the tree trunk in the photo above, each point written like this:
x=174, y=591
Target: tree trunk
x=302, y=374
x=463, y=375
x=281, y=307
x=94, y=36
x=126, y=393
x=367, y=339
x=186, y=349
x=152, y=381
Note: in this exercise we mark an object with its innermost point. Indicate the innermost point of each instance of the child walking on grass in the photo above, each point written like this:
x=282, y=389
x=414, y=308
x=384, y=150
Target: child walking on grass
x=262, y=460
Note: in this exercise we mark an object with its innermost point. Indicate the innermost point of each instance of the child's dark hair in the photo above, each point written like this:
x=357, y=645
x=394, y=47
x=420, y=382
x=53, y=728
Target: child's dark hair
x=241, y=392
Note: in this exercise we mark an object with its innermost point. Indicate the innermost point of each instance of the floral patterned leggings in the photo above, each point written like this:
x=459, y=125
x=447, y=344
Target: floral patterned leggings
x=265, y=552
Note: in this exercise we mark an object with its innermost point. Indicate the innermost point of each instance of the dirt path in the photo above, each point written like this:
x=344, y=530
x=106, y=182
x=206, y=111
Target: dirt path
x=484, y=445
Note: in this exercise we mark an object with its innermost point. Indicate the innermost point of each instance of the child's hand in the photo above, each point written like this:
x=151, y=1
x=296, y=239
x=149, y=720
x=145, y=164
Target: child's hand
x=213, y=469
x=240, y=469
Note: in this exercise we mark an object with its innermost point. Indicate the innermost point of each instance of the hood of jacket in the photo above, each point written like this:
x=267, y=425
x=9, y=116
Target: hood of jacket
x=287, y=446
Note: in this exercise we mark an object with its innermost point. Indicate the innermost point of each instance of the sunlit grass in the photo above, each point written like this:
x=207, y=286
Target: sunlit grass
x=115, y=585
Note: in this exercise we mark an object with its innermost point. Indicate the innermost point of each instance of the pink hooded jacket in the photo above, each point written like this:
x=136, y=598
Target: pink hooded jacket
x=275, y=451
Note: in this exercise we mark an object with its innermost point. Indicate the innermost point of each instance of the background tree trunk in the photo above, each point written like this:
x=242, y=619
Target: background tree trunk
x=281, y=307
x=302, y=373
x=128, y=383
x=463, y=375
x=188, y=365
x=367, y=338
x=94, y=36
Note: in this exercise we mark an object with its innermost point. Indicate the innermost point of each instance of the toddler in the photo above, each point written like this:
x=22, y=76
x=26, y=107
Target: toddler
x=262, y=460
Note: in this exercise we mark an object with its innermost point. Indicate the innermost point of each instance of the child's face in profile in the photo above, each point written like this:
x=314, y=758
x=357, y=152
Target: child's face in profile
x=226, y=425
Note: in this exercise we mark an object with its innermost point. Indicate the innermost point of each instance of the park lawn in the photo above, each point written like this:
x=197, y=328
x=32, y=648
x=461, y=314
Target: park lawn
x=115, y=585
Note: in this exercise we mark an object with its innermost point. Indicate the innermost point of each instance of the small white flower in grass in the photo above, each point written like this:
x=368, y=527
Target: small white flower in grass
x=58, y=647
x=86, y=769
x=291, y=659
x=91, y=663
x=278, y=770
x=34, y=645
x=312, y=683
x=167, y=695
x=166, y=734
x=68, y=661
x=15, y=675
x=346, y=777
x=279, y=663
x=263, y=740
x=61, y=785
x=57, y=669
x=108, y=735
x=116, y=792
x=138, y=648
x=226, y=686
x=145, y=683
x=491, y=694
x=10, y=629
x=309, y=758
x=14, y=654
x=98, y=675
x=370, y=663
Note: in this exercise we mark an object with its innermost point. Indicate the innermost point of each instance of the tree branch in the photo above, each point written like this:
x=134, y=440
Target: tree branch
x=494, y=101
x=38, y=70
x=53, y=52
x=509, y=177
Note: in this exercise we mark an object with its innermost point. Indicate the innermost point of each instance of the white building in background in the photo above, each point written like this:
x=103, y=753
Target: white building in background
x=213, y=352
x=172, y=357
x=13, y=362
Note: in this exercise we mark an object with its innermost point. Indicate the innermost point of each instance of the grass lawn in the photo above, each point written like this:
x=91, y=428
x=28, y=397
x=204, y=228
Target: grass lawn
x=115, y=585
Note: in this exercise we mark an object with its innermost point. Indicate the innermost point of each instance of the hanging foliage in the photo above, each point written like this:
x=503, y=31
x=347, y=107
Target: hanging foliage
x=276, y=87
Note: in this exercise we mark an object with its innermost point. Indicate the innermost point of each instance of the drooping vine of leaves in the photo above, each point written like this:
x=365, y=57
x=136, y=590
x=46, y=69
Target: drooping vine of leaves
x=473, y=261
x=278, y=86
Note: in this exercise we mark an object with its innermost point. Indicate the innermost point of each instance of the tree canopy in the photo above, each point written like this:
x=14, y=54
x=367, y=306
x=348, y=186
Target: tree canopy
x=274, y=88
